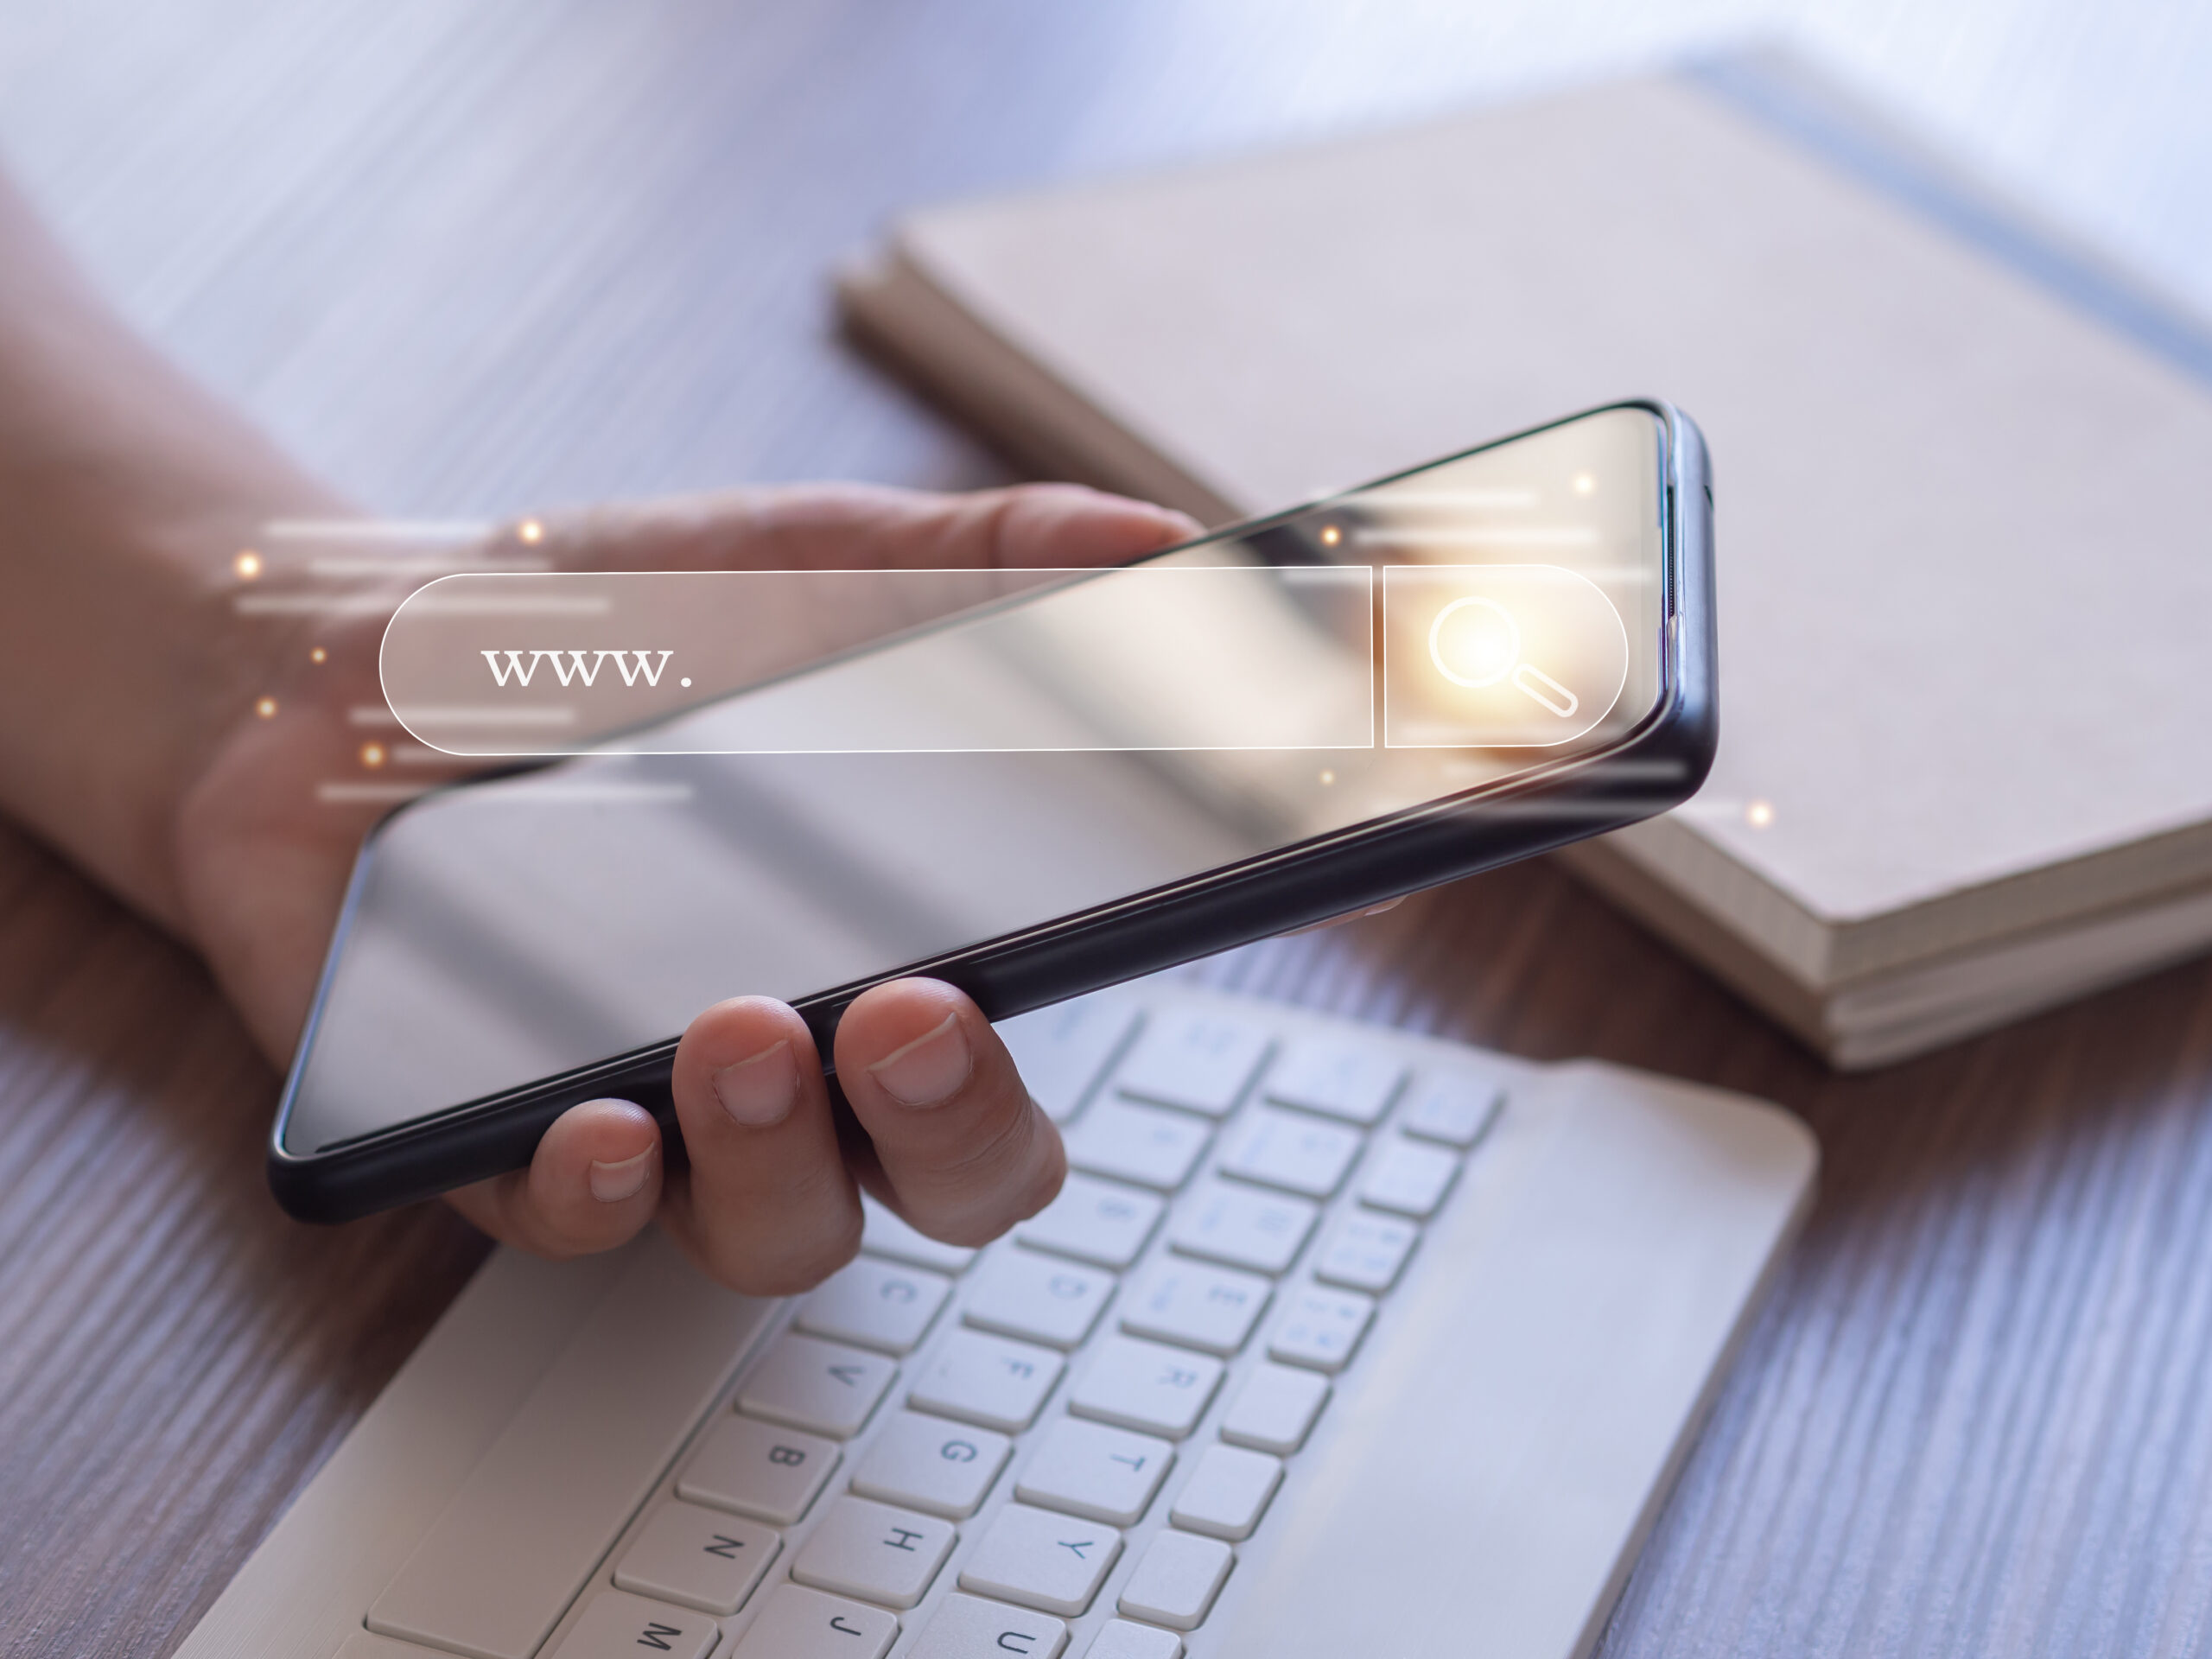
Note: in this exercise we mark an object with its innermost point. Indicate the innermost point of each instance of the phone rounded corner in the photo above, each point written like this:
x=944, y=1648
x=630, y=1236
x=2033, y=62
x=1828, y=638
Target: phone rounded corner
x=1682, y=741
x=300, y=1193
x=1690, y=745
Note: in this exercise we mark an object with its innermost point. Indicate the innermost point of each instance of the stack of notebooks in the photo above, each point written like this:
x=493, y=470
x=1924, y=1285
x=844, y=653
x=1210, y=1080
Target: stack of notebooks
x=1965, y=553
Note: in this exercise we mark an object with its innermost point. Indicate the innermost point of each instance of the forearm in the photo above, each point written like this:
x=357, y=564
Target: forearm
x=125, y=493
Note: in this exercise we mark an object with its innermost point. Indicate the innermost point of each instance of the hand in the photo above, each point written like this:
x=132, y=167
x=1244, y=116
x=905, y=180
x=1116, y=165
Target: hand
x=214, y=767
x=941, y=1127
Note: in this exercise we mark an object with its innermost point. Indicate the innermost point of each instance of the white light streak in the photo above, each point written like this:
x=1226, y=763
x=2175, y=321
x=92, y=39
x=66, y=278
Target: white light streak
x=390, y=565
x=368, y=794
x=475, y=715
x=374, y=529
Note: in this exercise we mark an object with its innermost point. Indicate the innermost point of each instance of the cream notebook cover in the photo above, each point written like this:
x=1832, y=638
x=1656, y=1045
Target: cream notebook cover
x=1965, y=553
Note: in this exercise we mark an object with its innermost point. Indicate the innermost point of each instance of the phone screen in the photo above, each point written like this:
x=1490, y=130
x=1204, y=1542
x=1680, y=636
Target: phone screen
x=1333, y=668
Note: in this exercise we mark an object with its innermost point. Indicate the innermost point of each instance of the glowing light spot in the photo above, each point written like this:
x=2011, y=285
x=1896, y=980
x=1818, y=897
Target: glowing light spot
x=265, y=708
x=1584, y=484
x=372, y=754
x=318, y=655
x=530, y=530
x=1474, y=642
x=1330, y=535
x=1759, y=814
x=1328, y=777
x=247, y=564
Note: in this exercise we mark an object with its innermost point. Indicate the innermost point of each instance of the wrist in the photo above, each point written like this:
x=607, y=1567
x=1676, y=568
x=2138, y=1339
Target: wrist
x=127, y=655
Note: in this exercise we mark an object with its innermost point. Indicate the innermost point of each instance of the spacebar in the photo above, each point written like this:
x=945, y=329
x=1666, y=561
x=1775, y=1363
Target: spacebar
x=501, y=1566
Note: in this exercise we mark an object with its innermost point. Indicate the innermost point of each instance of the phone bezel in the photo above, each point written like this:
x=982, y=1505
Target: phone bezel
x=1658, y=764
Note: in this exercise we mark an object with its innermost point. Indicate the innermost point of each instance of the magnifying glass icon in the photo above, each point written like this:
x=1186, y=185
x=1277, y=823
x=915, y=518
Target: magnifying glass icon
x=1476, y=643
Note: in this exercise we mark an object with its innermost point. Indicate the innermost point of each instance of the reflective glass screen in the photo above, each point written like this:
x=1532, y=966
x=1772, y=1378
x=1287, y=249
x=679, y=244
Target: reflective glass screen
x=1092, y=737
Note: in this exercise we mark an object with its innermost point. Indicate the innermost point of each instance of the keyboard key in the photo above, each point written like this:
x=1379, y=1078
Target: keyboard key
x=1241, y=1228
x=1053, y=1563
x=1196, y=1060
x=926, y=1463
x=1144, y=1385
x=697, y=1557
x=757, y=1469
x=1228, y=1492
x=1454, y=1106
x=1019, y=1294
x=881, y=1305
x=1060, y=1051
x=1290, y=1150
x=886, y=1554
x=799, y=1624
x=1103, y=1223
x=1365, y=1252
x=1351, y=1080
x=990, y=1381
x=1101, y=1473
x=1209, y=1309
x=967, y=1627
x=1142, y=1144
x=1275, y=1409
x=1177, y=1580
x=1320, y=1328
x=810, y=1383
x=893, y=1236
x=1408, y=1179
x=616, y=1625
x=1122, y=1640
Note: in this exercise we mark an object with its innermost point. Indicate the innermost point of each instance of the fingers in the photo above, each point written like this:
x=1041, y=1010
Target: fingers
x=594, y=1182
x=768, y=1207
x=854, y=526
x=768, y=1204
x=964, y=1151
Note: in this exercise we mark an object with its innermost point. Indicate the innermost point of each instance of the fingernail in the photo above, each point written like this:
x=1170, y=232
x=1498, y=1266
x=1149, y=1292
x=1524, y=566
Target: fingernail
x=612, y=1183
x=760, y=1089
x=929, y=1069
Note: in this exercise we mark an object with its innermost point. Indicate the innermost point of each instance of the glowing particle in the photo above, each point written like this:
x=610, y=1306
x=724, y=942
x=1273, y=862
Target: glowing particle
x=1328, y=777
x=318, y=655
x=247, y=564
x=372, y=754
x=1330, y=535
x=1759, y=814
x=530, y=530
x=1584, y=484
x=265, y=708
x=687, y=684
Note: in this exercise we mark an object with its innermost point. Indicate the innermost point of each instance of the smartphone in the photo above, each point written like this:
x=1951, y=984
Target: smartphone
x=1451, y=668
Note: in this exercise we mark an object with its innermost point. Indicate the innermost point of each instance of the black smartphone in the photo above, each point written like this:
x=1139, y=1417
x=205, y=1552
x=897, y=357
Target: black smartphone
x=1495, y=654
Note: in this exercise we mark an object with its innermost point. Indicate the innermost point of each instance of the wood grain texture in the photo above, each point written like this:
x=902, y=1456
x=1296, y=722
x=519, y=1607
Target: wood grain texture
x=481, y=255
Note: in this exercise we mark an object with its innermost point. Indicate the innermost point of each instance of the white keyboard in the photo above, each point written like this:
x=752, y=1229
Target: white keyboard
x=1338, y=1341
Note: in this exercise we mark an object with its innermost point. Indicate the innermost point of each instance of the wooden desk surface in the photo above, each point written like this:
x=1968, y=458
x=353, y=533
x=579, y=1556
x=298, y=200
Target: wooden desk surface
x=475, y=257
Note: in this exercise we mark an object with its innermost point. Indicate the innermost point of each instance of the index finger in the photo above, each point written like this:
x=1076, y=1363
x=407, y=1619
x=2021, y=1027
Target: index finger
x=848, y=526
